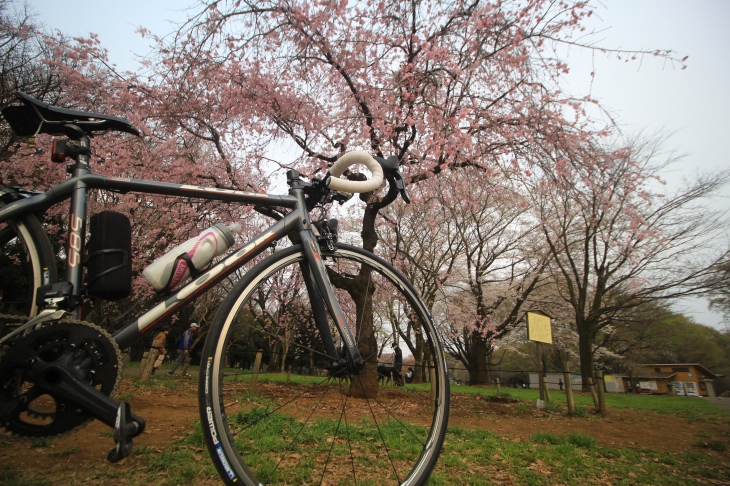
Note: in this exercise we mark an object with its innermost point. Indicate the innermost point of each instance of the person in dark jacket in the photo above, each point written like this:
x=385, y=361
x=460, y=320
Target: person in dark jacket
x=183, y=347
x=397, y=365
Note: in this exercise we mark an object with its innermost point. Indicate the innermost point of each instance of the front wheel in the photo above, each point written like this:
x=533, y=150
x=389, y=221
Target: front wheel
x=294, y=423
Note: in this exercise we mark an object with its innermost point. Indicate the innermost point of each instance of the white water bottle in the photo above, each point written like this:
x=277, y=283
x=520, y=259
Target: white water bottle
x=169, y=270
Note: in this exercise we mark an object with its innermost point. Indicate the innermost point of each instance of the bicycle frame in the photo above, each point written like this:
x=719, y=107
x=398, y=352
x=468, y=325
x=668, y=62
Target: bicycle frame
x=297, y=220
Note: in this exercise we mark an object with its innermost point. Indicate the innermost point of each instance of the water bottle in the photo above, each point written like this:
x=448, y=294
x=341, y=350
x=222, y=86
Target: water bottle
x=168, y=271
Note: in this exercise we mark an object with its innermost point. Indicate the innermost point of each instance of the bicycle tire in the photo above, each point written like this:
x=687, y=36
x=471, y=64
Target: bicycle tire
x=27, y=261
x=305, y=433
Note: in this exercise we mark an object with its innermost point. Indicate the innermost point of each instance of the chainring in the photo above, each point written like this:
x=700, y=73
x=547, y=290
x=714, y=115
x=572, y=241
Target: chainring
x=29, y=411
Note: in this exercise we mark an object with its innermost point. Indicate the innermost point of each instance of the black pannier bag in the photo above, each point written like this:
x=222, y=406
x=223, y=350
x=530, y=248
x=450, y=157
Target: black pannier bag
x=109, y=256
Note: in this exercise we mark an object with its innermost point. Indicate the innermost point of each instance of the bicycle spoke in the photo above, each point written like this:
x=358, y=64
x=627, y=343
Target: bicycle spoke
x=304, y=424
x=334, y=441
x=385, y=444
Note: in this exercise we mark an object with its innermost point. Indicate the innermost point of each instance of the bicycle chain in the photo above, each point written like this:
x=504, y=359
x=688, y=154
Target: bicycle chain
x=22, y=319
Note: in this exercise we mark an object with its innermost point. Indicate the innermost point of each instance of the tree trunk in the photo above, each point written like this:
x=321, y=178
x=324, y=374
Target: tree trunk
x=273, y=366
x=478, y=348
x=417, y=346
x=585, y=348
x=365, y=385
x=361, y=289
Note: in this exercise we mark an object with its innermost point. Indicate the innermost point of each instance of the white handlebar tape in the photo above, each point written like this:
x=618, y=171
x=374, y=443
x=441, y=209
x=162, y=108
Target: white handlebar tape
x=352, y=158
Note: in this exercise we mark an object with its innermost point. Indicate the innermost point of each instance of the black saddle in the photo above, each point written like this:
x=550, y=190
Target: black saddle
x=34, y=117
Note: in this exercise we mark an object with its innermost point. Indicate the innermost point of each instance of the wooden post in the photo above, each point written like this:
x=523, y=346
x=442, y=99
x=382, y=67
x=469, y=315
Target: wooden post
x=256, y=368
x=547, y=388
x=238, y=370
x=288, y=374
x=499, y=388
x=568, y=388
x=540, y=375
x=601, y=392
x=143, y=363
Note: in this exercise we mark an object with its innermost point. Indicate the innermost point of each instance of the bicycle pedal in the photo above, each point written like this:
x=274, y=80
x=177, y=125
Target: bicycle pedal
x=125, y=428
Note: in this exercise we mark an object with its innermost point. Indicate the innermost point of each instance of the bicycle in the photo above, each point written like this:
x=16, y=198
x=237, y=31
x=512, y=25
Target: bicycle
x=316, y=301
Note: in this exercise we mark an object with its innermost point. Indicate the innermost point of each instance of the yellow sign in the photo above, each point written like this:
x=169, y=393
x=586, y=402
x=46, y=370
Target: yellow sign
x=538, y=328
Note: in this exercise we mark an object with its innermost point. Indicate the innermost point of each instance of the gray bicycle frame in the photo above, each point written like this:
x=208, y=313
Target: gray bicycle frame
x=322, y=294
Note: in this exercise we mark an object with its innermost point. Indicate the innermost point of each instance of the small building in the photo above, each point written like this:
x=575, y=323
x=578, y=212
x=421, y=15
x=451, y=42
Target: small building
x=683, y=379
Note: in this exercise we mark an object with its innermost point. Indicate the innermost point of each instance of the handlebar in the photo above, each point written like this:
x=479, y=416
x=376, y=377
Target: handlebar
x=347, y=160
x=377, y=166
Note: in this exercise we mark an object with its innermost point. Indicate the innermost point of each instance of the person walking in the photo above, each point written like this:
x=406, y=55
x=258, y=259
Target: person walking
x=158, y=351
x=397, y=365
x=183, y=347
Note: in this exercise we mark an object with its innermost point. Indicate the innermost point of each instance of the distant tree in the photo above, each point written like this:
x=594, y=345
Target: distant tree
x=472, y=247
x=720, y=285
x=617, y=243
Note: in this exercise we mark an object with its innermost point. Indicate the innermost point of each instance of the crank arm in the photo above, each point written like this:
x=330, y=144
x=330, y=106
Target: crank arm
x=60, y=382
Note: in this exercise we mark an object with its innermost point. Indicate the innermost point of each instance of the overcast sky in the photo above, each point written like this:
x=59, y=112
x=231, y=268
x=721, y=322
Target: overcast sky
x=692, y=104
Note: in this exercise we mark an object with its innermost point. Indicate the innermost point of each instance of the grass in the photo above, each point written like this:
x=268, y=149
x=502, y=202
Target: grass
x=469, y=457
x=478, y=457
x=472, y=457
x=690, y=408
x=67, y=452
x=8, y=476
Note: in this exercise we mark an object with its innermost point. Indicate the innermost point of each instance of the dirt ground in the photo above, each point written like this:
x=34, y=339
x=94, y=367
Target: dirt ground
x=169, y=413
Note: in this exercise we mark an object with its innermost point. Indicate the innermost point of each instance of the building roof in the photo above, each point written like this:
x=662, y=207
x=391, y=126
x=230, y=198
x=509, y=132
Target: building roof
x=704, y=370
x=655, y=376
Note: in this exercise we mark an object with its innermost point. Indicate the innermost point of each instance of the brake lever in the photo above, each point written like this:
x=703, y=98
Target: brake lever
x=400, y=184
x=391, y=168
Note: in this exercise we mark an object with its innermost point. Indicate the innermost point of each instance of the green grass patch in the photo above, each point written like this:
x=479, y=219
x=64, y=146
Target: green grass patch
x=476, y=457
x=691, y=408
x=40, y=444
x=712, y=445
x=67, y=452
x=11, y=477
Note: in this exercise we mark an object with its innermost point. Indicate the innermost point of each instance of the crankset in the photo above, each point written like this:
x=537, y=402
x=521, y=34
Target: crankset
x=57, y=378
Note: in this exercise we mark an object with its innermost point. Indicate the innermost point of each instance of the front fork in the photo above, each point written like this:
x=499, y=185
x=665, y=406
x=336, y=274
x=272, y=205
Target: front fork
x=324, y=301
x=321, y=294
